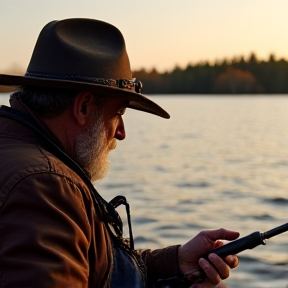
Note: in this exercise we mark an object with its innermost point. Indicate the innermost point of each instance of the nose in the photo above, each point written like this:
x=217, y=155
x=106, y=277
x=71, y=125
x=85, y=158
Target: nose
x=120, y=133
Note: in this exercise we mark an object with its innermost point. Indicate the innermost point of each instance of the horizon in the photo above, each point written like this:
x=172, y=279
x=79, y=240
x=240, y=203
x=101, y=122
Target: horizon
x=17, y=70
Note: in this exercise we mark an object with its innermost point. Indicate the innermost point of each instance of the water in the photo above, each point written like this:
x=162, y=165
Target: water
x=218, y=162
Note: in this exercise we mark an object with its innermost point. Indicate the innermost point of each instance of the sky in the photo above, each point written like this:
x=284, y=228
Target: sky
x=158, y=33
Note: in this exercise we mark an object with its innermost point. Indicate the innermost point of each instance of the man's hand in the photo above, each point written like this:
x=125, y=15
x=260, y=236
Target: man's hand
x=190, y=256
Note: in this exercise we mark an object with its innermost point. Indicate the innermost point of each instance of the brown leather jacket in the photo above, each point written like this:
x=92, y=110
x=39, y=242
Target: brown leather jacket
x=50, y=231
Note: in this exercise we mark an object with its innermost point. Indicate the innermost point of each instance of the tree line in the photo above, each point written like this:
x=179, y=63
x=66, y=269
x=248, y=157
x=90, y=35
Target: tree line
x=236, y=76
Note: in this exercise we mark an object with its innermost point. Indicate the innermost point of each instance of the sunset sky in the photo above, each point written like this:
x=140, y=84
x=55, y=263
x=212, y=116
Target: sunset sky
x=158, y=33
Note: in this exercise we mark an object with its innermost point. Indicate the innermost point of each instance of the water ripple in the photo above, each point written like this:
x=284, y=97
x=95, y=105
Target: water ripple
x=262, y=217
x=201, y=184
x=277, y=200
x=144, y=220
x=142, y=239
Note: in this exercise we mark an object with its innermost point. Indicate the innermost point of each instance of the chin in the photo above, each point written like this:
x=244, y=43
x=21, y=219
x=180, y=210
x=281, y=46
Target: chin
x=99, y=173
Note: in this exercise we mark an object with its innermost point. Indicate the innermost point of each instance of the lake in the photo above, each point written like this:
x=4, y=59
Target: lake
x=220, y=161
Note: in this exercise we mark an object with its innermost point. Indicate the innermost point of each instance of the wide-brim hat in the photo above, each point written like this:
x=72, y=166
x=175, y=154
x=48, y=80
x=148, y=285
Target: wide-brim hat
x=84, y=55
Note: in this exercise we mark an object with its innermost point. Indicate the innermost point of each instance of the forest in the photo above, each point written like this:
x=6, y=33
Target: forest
x=235, y=76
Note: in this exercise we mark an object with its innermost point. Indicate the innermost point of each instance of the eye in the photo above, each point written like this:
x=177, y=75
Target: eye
x=121, y=112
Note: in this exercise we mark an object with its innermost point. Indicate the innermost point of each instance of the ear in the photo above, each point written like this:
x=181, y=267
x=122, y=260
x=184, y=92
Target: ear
x=82, y=107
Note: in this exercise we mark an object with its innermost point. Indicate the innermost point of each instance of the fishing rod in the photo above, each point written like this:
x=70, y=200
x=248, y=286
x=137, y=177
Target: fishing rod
x=234, y=247
x=248, y=242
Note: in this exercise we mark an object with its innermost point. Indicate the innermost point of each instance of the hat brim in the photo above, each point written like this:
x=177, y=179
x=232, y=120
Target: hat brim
x=137, y=101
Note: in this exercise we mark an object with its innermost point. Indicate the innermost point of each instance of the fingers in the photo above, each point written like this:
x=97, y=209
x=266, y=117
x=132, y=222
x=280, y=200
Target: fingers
x=216, y=268
x=222, y=234
x=210, y=270
x=232, y=261
x=223, y=269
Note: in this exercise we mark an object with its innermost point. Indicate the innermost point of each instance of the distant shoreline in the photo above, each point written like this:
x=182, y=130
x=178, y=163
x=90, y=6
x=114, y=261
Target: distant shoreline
x=238, y=76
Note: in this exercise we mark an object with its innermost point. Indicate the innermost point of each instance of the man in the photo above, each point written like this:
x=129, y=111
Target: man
x=55, y=228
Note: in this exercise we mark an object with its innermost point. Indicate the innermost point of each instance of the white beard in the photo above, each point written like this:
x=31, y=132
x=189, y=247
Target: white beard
x=92, y=149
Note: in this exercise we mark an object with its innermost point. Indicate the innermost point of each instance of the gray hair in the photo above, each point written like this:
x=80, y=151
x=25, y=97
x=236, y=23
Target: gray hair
x=48, y=102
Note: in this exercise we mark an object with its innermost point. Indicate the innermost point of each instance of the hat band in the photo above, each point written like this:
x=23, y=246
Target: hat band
x=120, y=83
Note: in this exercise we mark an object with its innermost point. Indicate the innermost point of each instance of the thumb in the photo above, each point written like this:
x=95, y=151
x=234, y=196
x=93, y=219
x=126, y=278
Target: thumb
x=223, y=234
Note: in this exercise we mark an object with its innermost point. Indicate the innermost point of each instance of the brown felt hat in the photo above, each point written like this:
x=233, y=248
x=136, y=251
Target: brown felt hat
x=84, y=54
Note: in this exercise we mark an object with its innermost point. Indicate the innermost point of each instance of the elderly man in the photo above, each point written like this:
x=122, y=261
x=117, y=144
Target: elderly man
x=55, y=228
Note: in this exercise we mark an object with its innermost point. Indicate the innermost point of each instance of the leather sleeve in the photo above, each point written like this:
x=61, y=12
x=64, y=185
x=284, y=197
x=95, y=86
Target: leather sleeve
x=44, y=234
x=160, y=263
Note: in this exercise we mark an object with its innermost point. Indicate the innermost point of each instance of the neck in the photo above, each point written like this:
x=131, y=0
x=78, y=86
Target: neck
x=62, y=128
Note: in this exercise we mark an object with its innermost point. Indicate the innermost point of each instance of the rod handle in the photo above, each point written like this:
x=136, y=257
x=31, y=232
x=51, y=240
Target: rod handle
x=239, y=245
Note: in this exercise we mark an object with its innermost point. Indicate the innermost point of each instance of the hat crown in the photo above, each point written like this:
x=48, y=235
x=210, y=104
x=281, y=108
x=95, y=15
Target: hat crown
x=80, y=48
x=84, y=55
